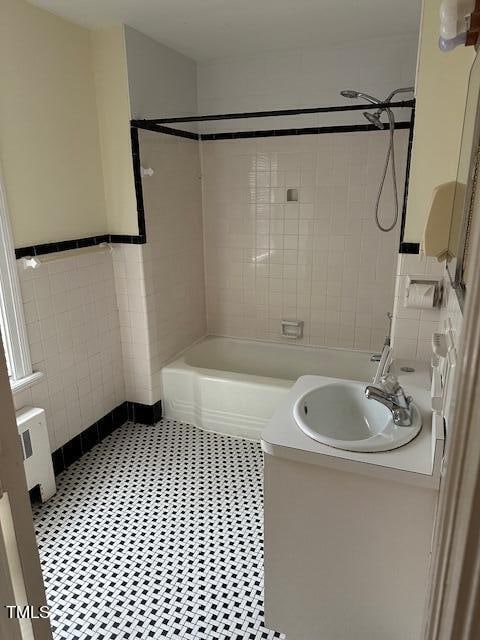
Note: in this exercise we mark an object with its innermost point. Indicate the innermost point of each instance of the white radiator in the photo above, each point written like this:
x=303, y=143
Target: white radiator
x=32, y=429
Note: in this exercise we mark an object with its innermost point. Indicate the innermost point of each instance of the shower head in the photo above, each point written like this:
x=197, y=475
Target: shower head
x=350, y=93
x=374, y=118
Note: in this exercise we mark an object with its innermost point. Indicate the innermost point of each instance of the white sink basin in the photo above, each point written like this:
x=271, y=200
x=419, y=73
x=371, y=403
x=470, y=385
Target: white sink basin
x=339, y=415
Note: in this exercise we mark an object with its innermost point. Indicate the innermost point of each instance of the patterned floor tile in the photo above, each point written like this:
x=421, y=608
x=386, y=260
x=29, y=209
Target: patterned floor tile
x=157, y=533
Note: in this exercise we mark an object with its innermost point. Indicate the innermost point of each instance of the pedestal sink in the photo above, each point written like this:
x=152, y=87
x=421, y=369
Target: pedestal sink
x=339, y=415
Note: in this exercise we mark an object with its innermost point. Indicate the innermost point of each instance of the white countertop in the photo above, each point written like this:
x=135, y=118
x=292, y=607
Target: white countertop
x=417, y=462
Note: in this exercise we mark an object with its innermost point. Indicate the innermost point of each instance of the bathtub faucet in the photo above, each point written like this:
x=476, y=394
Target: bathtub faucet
x=383, y=358
x=376, y=357
x=392, y=396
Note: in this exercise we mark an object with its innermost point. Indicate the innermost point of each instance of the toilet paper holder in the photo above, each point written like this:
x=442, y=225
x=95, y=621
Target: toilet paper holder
x=437, y=294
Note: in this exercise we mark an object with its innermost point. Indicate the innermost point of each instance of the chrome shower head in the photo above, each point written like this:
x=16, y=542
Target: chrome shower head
x=374, y=118
x=350, y=93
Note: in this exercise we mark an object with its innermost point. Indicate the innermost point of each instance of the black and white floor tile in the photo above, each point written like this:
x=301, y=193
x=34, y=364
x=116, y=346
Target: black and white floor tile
x=157, y=533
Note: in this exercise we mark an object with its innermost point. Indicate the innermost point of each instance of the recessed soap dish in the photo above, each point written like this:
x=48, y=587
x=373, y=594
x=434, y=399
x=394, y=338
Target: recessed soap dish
x=292, y=329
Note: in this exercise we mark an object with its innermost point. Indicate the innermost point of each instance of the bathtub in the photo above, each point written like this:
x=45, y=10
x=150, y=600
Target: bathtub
x=232, y=386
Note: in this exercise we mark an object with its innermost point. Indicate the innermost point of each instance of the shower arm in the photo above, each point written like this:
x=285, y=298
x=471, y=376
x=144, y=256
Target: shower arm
x=390, y=96
x=401, y=90
x=382, y=107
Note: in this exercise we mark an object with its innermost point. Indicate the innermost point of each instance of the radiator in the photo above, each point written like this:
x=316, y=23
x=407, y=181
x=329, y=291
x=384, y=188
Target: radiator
x=37, y=459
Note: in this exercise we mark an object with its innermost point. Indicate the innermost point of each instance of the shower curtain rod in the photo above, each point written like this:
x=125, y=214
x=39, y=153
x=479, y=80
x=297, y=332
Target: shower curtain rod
x=281, y=112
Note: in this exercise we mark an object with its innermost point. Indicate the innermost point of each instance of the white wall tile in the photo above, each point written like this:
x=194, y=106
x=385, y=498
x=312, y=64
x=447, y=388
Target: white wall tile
x=68, y=338
x=313, y=259
x=160, y=286
x=412, y=329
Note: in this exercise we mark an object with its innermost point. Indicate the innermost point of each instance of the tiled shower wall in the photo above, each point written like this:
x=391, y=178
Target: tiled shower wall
x=160, y=285
x=101, y=328
x=74, y=335
x=321, y=259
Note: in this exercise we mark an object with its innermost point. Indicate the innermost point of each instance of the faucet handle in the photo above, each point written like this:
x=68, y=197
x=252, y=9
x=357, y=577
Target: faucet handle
x=390, y=384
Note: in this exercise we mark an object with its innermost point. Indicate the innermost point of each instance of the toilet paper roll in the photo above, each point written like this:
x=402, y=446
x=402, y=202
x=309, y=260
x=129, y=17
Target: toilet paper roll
x=420, y=296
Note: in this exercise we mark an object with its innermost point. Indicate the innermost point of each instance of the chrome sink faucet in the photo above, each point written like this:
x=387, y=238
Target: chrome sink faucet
x=392, y=396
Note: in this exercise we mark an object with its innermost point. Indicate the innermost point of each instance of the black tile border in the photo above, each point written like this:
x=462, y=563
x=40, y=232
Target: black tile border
x=149, y=125
x=57, y=460
x=35, y=495
x=261, y=133
x=137, y=177
x=144, y=413
x=65, y=245
x=68, y=245
x=408, y=247
x=155, y=125
x=282, y=112
x=75, y=448
x=274, y=133
x=79, y=243
x=72, y=450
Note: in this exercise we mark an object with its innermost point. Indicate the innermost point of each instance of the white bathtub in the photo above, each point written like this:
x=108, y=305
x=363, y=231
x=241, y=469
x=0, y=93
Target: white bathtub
x=233, y=386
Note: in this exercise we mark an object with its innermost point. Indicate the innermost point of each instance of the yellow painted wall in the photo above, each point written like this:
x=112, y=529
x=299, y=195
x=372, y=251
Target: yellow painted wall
x=49, y=140
x=111, y=82
x=441, y=90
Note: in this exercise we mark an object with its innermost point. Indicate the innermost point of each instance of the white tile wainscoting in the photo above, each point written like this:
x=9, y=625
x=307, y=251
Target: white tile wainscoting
x=451, y=319
x=74, y=334
x=321, y=259
x=101, y=325
x=412, y=329
x=160, y=285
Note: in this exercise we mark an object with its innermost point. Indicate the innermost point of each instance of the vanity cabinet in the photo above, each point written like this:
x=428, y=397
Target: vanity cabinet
x=348, y=534
x=346, y=555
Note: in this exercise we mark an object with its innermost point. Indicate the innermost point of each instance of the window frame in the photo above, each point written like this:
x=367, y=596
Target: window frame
x=15, y=340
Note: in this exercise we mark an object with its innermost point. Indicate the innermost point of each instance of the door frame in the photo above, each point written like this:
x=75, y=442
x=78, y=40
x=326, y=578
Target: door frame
x=8, y=628
x=20, y=566
x=453, y=601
